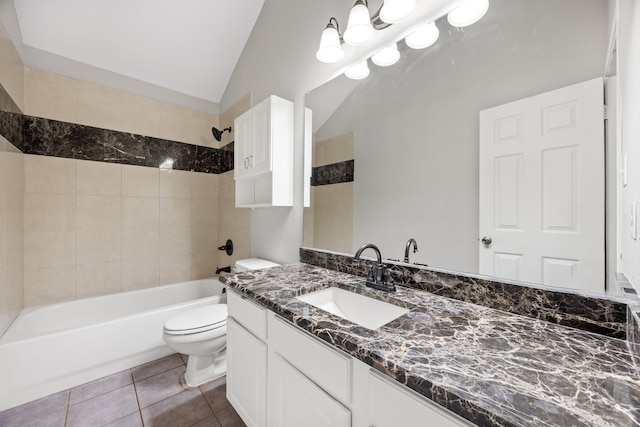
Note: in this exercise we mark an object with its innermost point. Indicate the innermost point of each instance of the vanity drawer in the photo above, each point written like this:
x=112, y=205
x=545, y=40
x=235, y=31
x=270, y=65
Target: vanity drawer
x=326, y=367
x=248, y=314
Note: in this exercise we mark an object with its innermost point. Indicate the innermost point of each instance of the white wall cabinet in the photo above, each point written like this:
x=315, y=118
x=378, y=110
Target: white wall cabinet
x=279, y=376
x=263, y=154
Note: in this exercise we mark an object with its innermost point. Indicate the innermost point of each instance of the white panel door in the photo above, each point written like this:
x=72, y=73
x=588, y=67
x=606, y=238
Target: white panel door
x=542, y=188
x=260, y=159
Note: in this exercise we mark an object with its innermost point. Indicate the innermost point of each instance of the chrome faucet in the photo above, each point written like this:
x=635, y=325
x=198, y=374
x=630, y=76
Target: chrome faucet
x=381, y=279
x=406, y=249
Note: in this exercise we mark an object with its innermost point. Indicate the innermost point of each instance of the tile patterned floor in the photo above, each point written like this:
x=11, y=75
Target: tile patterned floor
x=147, y=395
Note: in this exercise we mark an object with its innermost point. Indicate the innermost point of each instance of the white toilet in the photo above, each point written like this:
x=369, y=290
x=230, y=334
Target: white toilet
x=201, y=334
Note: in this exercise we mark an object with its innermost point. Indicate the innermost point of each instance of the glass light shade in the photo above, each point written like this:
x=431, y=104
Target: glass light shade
x=358, y=71
x=396, y=10
x=330, y=50
x=468, y=12
x=359, y=28
x=423, y=36
x=387, y=56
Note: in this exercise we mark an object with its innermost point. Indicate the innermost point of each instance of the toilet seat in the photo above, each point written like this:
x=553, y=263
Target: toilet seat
x=197, y=320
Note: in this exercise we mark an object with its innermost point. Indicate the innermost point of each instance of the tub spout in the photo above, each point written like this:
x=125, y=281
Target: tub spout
x=226, y=269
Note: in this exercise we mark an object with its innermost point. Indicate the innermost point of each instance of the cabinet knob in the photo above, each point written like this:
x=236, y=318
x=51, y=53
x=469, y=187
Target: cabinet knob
x=486, y=240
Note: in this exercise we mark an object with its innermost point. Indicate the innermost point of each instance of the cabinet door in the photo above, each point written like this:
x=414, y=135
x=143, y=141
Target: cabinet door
x=296, y=401
x=391, y=405
x=246, y=374
x=260, y=156
x=243, y=143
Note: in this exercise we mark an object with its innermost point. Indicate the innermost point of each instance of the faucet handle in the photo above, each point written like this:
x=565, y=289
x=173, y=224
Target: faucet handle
x=371, y=275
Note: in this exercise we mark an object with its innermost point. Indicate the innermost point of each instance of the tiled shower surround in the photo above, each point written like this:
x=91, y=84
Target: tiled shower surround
x=603, y=316
x=85, y=208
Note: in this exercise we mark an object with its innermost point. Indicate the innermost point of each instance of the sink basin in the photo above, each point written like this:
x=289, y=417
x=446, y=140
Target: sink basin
x=368, y=312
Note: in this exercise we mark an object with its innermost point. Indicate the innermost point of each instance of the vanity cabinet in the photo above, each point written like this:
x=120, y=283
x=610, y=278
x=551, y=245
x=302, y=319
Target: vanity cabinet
x=263, y=154
x=247, y=360
x=281, y=376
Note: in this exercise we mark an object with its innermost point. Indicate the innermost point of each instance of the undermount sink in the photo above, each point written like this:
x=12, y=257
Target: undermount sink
x=368, y=312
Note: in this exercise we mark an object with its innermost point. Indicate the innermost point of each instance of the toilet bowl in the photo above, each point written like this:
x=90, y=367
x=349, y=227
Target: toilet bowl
x=201, y=334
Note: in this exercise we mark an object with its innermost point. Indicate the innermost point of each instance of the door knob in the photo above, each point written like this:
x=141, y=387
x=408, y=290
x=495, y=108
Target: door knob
x=486, y=240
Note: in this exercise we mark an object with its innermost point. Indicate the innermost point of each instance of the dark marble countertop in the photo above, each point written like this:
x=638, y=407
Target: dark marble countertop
x=491, y=367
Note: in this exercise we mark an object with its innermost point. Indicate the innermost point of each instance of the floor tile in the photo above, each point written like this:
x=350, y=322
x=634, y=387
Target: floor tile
x=229, y=418
x=133, y=420
x=184, y=409
x=212, y=421
x=54, y=419
x=159, y=387
x=103, y=409
x=101, y=386
x=157, y=366
x=216, y=394
x=38, y=409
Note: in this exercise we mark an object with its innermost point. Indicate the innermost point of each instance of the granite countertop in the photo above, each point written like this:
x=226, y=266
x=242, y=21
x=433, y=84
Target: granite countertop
x=491, y=367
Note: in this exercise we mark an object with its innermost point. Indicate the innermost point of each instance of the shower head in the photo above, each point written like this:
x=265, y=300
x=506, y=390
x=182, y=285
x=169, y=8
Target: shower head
x=217, y=134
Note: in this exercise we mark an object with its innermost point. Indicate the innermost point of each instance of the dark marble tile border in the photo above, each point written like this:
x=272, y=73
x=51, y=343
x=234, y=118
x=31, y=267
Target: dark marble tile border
x=599, y=315
x=334, y=173
x=46, y=137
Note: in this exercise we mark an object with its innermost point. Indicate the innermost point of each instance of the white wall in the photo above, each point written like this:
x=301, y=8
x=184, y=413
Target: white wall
x=629, y=72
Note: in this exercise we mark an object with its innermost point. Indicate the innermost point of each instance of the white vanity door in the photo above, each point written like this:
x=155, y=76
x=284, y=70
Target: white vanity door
x=246, y=374
x=542, y=188
x=393, y=406
x=295, y=400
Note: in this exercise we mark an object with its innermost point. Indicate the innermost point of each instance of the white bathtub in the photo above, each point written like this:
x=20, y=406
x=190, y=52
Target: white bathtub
x=52, y=348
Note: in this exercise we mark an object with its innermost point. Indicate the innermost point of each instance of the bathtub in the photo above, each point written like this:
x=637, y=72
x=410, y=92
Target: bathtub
x=55, y=347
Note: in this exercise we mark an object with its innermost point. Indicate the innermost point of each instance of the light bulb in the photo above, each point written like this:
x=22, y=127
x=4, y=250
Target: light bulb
x=359, y=28
x=330, y=50
x=358, y=71
x=396, y=10
x=387, y=56
x=468, y=12
x=423, y=36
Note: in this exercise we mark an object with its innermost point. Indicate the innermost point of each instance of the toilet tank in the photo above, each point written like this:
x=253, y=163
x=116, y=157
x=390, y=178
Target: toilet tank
x=253, y=264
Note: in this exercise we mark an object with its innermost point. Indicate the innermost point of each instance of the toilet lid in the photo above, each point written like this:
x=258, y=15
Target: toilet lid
x=198, y=319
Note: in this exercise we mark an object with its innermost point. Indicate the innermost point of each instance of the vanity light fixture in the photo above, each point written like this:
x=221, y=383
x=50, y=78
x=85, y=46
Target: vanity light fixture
x=468, y=12
x=393, y=11
x=330, y=49
x=387, y=56
x=358, y=71
x=359, y=28
x=424, y=36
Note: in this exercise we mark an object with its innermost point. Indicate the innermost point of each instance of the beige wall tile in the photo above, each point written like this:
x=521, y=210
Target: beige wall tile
x=49, y=248
x=98, y=178
x=49, y=285
x=205, y=239
x=204, y=186
x=175, y=212
x=49, y=212
x=140, y=115
x=99, y=106
x=204, y=212
x=175, y=184
x=204, y=264
x=139, y=274
x=140, y=243
x=49, y=175
x=139, y=212
x=50, y=95
x=174, y=241
x=175, y=123
x=138, y=181
x=175, y=269
x=98, y=212
x=99, y=246
x=98, y=279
